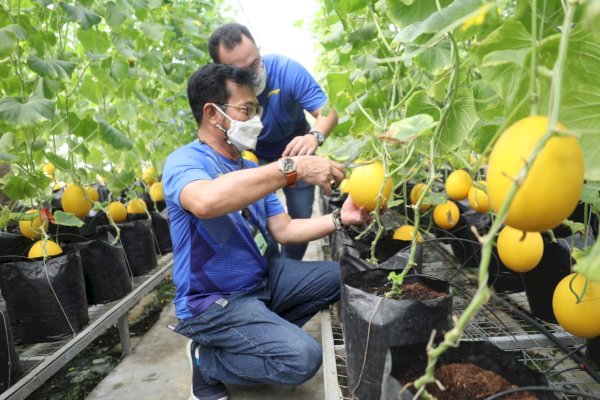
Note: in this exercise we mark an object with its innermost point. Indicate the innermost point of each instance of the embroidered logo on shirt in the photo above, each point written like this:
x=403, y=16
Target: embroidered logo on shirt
x=272, y=92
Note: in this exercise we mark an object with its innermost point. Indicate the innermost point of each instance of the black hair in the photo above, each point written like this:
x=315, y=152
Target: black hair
x=209, y=85
x=228, y=35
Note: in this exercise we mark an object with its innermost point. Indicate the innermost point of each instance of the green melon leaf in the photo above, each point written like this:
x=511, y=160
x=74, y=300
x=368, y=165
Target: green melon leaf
x=20, y=114
x=86, y=17
x=54, y=69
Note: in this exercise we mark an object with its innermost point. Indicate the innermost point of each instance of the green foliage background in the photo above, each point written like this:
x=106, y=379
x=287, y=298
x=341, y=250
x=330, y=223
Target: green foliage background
x=96, y=87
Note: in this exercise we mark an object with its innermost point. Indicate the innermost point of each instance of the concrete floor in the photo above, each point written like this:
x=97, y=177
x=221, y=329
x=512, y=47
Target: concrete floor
x=158, y=369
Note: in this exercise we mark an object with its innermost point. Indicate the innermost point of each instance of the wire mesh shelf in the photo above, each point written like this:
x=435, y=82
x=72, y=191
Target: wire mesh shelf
x=500, y=322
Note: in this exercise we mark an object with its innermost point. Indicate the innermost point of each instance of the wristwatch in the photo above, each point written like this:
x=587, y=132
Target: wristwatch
x=318, y=135
x=288, y=167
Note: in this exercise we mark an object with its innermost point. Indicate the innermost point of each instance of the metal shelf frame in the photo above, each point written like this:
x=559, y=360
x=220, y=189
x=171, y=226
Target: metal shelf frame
x=48, y=358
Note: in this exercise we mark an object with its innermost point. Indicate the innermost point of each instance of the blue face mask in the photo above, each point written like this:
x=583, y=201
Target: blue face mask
x=242, y=134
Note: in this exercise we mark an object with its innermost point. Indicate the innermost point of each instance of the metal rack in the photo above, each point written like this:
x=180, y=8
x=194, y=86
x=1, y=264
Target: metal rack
x=500, y=323
x=42, y=360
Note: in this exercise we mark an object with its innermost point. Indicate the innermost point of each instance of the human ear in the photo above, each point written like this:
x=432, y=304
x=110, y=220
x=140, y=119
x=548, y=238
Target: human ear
x=210, y=112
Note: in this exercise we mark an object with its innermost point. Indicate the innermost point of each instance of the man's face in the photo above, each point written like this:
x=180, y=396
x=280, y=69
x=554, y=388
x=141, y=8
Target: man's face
x=243, y=55
x=242, y=104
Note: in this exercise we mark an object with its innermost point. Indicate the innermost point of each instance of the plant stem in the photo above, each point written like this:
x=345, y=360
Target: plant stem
x=454, y=79
x=533, y=96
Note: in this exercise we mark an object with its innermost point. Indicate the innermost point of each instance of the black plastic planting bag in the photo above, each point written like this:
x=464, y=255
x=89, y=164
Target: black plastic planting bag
x=137, y=240
x=467, y=249
x=91, y=229
x=105, y=271
x=14, y=244
x=403, y=360
x=541, y=281
x=10, y=369
x=162, y=233
x=593, y=350
x=330, y=203
x=373, y=323
x=46, y=303
x=338, y=241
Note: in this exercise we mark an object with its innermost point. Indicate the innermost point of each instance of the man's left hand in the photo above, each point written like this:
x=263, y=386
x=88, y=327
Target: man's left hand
x=353, y=215
x=305, y=145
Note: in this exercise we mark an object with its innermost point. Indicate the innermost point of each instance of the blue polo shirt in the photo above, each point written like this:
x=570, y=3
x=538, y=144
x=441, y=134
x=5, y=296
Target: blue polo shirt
x=290, y=90
x=212, y=258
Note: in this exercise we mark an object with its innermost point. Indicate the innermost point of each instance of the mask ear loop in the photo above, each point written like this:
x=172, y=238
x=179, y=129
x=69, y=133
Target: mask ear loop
x=225, y=132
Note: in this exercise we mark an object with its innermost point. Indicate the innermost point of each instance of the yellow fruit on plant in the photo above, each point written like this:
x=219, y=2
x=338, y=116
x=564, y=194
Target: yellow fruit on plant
x=520, y=251
x=117, y=211
x=458, y=184
x=415, y=194
x=446, y=215
x=345, y=185
x=366, y=182
x=74, y=201
x=250, y=156
x=553, y=185
x=478, y=199
x=56, y=186
x=136, y=206
x=156, y=192
x=49, y=169
x=32, y=229
x=37, y=250
x=580, y=319
x=405, y=232
x=149, y=176
x=91, y=193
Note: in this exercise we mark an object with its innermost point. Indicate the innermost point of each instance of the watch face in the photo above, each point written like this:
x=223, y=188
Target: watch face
x=319, y=136
x=287, y=165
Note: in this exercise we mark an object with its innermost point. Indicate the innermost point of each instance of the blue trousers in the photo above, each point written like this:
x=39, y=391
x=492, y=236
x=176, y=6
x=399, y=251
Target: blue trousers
x=255, y=338
x=299, y=201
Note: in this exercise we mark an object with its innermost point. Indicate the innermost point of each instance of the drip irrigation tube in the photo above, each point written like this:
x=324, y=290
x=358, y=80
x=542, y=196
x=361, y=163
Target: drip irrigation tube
x=574, y=355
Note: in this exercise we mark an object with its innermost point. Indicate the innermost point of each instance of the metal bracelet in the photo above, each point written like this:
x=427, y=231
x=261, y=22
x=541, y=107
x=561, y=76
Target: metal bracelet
x=336, y=216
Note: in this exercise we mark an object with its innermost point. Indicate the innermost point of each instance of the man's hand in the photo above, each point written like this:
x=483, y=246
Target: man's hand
x=301, y=146
x=353, y=215
x=319, y=171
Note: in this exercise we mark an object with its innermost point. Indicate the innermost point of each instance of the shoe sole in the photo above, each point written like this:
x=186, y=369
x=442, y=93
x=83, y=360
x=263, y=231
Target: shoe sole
x=188, y=349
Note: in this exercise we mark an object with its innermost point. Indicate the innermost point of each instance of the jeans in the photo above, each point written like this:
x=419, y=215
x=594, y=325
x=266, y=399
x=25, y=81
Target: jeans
x=256, y=337
x=299, y=201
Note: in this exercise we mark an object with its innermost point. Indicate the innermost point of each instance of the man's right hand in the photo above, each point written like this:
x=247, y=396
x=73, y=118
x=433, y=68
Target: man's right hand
x=319, y=171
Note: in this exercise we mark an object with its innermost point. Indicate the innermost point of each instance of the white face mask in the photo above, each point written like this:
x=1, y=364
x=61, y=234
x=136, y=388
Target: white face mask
x=242, y=134
x=262, y=82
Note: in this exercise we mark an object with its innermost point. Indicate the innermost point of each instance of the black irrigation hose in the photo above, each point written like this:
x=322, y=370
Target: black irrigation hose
x=575, y=350
x=542, y=389
x=575, y=356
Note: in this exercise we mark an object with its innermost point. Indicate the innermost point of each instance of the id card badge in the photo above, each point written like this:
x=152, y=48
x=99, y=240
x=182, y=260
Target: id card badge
x=259, y=238
x=261, y=242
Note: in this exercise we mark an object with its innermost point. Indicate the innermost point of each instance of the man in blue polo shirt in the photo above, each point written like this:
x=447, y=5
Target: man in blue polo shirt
x=285, y=90
x=242, y=311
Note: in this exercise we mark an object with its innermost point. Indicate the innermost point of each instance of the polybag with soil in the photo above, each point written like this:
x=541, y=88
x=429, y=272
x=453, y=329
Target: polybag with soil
x=372, y=323
x=105, y=270
x=501, y=371
x=46, y=300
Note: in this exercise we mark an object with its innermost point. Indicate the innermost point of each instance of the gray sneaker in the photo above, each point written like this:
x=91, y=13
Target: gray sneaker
x=201, y=390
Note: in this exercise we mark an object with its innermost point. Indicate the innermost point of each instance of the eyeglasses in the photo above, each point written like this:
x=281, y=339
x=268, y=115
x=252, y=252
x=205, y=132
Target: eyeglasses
x=256, y=64
x=251, y=110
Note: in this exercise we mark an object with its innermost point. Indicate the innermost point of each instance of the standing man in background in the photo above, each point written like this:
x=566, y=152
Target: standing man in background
x=285, y=90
